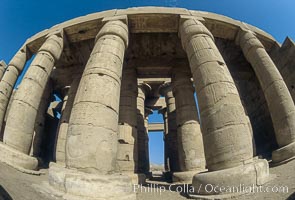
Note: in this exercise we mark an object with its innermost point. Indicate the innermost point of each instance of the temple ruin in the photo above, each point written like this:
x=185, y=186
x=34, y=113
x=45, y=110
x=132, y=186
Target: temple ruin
x=112, y=69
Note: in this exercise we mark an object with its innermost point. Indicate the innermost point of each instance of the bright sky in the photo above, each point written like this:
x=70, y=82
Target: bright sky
x=20, y=19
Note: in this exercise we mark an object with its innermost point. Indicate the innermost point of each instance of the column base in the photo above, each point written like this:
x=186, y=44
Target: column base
x=136, y=178
x=71, y=184
x=18, y=160
x=284, y=154
x=185, y=177
x=254, y=173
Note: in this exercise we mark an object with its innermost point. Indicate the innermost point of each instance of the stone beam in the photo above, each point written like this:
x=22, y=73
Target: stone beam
x=147, y=19
x=156, y=127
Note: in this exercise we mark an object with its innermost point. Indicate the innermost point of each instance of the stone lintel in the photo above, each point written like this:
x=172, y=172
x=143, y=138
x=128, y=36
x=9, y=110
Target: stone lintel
x=155, y=103
x=86, y=27
x=185, y=17
x=156, y=127
x=122, y=18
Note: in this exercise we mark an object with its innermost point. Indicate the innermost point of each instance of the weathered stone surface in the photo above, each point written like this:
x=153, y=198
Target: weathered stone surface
x=171, y=137
x=8, y=80
x=127, y=156
x=104, y=125
x=142, y=134
x=92, y=133
x=73, y=184
x=254, y=173
x=191, y=148
x=278, y=98
x=39, y=129
x=222, y=114
x=163, y=111
x=19, y=128
x=17, y=159
x=68, y=100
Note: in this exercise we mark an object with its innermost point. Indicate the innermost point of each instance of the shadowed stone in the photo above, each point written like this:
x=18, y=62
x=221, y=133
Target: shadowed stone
x=226, y=132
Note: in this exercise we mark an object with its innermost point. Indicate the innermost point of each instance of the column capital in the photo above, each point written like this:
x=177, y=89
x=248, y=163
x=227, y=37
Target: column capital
x=188, y=27
x=20, y=58
x=114, y=27
x=64, y=91
x=54, y=44
x=145, y=88
x=147, y=111
x=181, y=78
x=165, y=88
x=123, y=18
x=3, y=64
x=248, y=41
x=163, y=111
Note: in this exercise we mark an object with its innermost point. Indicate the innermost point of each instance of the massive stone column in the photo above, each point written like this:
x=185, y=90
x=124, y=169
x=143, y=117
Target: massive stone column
x=39, y=129
x=13, y=70
x=93, y=126
x=92, y=137
x=21, y=119
x=190, y=140
x=147, y=112
x=2, y=68
x=163, y=111
x=277, y=95
x=19, y=127
x=226, y=133
x=127, y=157
x=171, y=138
x=142, y=134
x=69, y=94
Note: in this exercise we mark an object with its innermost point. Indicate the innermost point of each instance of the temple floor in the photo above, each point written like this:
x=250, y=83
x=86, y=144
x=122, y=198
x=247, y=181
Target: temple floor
x=15, y=185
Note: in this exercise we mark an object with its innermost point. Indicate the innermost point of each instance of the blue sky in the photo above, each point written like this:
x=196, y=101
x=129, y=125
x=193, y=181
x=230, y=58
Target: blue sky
x=20, y=19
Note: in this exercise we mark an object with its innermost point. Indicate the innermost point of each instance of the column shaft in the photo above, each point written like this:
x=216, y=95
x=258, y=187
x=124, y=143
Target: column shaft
x=142, y=135
x=171, y=137
x=277, y=95
x=9, y=78
x=127, y=157
x=39, y=128
x=147, y=112
x=68, y=100
x=226, y=132
x=22, y=115
x=190, y=147
x=91, y=144
x=222, y=114
x=163, y=111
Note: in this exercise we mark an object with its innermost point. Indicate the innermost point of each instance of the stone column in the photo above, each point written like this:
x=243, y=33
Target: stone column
x=147, y=112
x=13, y=70
x=226, y=133
x=2, y=68
x=39, y=128
x=69, y=94
x=22, y=115
x=277, y=95
x=93, y=127
x=92, y=137
x=21, y=119
x=163, y=111
x=127, y=157
x=190, y=139
x=142, y=135
x=171, y=139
